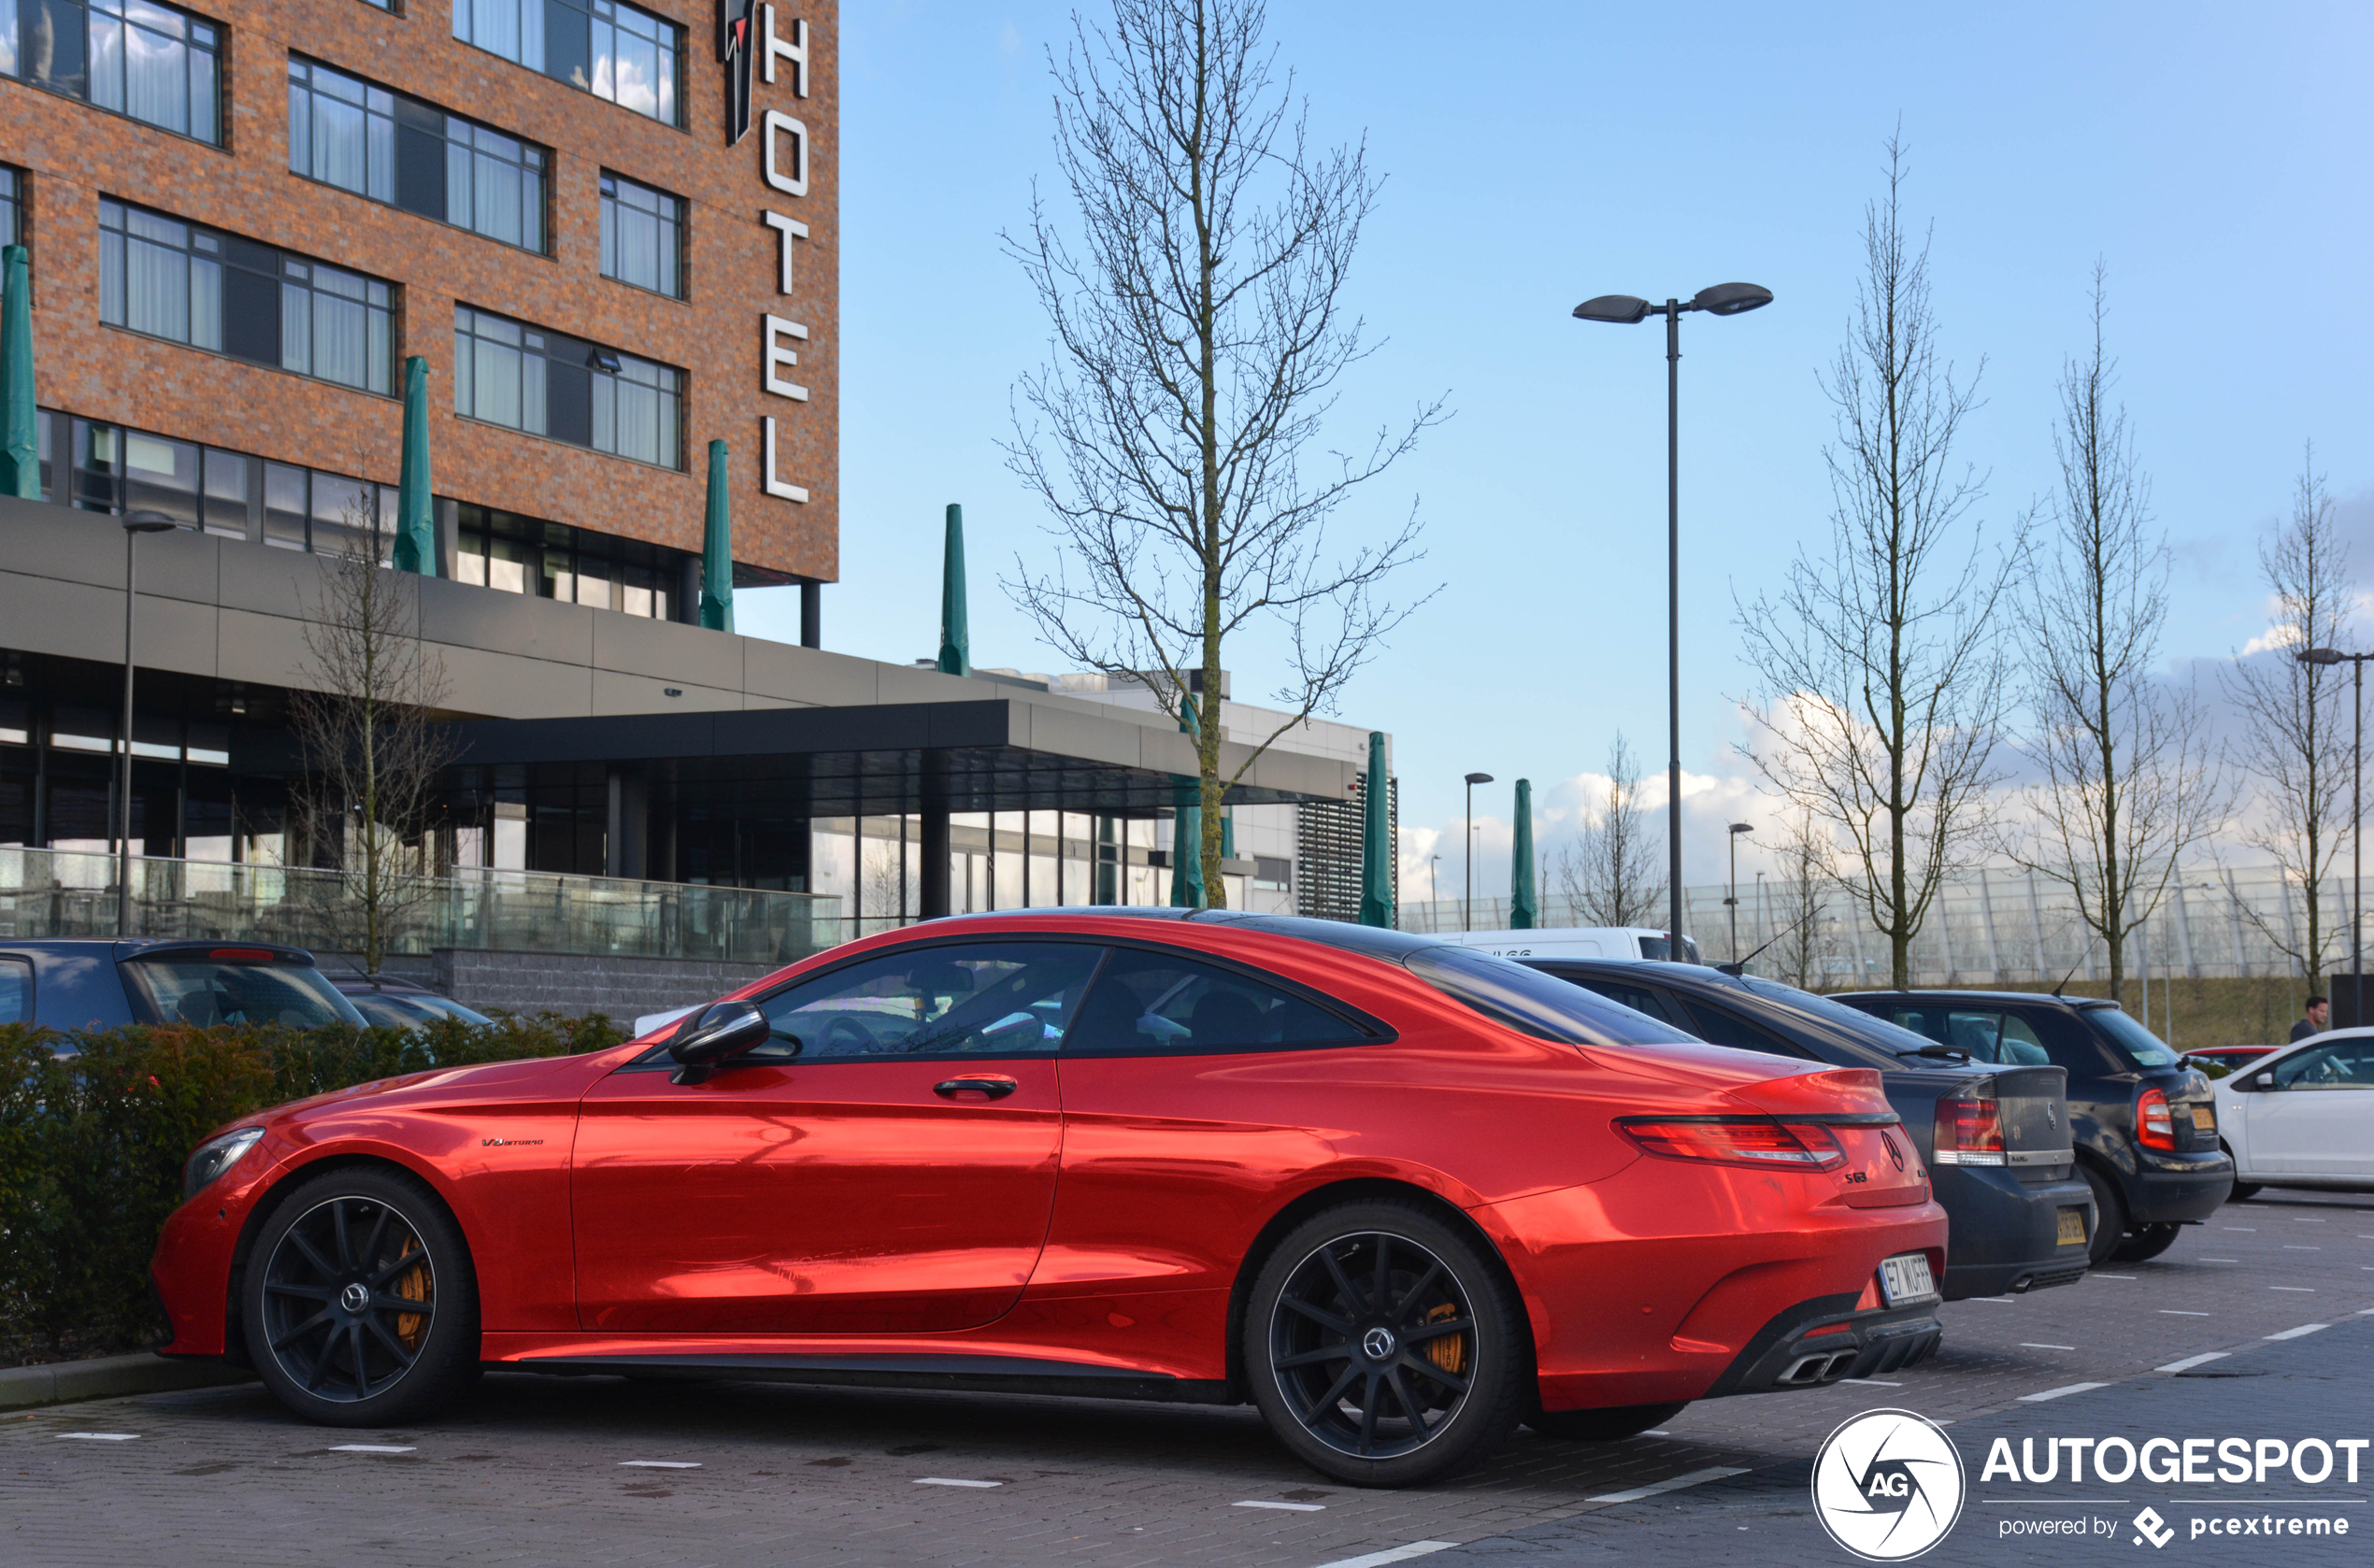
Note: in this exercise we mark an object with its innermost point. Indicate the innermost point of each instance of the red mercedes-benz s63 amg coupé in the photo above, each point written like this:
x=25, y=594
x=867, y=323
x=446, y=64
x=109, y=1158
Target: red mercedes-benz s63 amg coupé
x=1401, y=1195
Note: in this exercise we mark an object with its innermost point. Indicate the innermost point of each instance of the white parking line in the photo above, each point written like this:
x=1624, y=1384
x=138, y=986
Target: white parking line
x=101, y=1436
x=1872, y=1382
x=659, y=1464
x=2178, y=1312
x=2125, y=1277
x=1285, y=1507
x=2217, y=1259
x=2032, y=1345
x=952, y=1481
x=2189, y=1363
x=2297, y=1221
x=2295, y=1246
x=2303, y=1329
x=2249, y=1228
x=2301, y=1289
x=1391, y=1554
x=370, y=1448
x=2056, y=1393
x=1634, y=1494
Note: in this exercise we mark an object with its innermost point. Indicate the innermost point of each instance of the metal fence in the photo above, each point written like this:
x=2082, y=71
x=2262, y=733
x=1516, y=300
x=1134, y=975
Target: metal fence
x=2000, y=927
x=47, y=893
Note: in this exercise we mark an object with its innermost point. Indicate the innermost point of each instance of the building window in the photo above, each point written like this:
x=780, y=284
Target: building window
x=611, y=51
x=131, y=57
x=217, y=292
x=11, y=229
x=360, y=137
x=564, y=388
x=574, y=565
x=642, y=236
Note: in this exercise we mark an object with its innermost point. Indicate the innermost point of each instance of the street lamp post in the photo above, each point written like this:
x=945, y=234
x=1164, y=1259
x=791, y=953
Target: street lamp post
x=1434, y=888
x=1733, y=902
x=134, y=526
x=1723, y=299
x=2357, y=813
x=1468, y=908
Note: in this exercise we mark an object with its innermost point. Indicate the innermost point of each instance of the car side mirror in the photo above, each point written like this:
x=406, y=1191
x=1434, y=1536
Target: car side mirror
x=2263, y=1080
x=723, y=1030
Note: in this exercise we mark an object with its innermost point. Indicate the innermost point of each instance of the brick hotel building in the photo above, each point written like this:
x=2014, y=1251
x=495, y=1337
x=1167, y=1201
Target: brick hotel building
x=612, y=232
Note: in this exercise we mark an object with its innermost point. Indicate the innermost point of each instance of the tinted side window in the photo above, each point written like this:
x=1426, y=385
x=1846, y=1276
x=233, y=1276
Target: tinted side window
x=961, y=999
x=1161, y=1003
x=15, y=991
x=1718, y=1027
x=1641, y=999
x=2347, y=1066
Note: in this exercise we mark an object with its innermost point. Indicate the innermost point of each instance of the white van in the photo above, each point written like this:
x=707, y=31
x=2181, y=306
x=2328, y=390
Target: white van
x=1589, y=941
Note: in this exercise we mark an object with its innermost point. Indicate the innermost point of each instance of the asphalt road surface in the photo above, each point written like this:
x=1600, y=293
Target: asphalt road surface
x=561, y=1471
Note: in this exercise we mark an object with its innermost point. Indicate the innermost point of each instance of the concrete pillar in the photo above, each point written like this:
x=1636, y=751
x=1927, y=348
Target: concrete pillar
x=811, y=614
x=626, y=849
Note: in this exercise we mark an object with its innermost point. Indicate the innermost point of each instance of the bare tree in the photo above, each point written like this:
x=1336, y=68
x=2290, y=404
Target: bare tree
x=2130, y=781
x=365, y=715
x=1609, y=875
x=1883, y=680
x=1198, y=335
x=2291, y=721
x=1804, y=873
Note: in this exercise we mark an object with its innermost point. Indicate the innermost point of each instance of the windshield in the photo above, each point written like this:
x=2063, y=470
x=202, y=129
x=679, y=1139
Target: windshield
x=2138, y=1041
x=1533, y=1003
x=1861, y=1025
x=194, y=987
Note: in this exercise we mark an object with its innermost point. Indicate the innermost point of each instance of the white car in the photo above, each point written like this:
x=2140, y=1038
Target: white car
x=2303, y=1116
x=1586, y=941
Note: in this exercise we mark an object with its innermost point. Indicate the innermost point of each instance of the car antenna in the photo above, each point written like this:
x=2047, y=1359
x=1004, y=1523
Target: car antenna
x=2064, y=980
x=1738, y=969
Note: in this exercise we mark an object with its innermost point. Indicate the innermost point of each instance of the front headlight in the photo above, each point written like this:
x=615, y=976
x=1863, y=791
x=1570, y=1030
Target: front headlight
x=212, y=1159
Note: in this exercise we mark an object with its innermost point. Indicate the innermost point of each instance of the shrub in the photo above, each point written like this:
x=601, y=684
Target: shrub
x=92, y=1142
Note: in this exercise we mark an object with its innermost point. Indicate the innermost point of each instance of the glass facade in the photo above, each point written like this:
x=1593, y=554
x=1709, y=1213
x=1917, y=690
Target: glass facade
x=11, y=230
x=165, y=279
x=574, y=565
x=151, y=62
x=548, y=384
x=349, y=132
x=613, y=52
x=642, y=236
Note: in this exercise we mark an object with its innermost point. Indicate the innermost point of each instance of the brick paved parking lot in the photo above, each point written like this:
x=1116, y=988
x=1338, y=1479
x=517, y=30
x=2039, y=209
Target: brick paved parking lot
x=599, y=1470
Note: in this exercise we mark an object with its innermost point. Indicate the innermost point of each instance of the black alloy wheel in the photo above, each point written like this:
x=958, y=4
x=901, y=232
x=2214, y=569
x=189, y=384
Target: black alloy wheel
x=359, y=1301
x=1386, y=1349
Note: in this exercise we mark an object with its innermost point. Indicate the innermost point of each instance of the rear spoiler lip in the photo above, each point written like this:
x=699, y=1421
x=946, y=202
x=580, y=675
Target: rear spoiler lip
x=1819, y=1118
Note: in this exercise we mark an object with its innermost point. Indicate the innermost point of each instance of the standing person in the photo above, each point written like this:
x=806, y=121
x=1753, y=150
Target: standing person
x=2319, y=1020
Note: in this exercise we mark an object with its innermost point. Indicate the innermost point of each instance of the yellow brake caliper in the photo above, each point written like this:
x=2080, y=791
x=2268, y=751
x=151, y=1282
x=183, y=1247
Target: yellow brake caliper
x=1448, y=1351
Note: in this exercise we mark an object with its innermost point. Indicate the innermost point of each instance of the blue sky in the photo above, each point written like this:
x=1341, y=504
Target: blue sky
x=2215, y=160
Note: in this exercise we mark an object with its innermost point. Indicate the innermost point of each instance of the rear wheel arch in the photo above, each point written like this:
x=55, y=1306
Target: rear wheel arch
x=1331, y=1195
x=235, y=1345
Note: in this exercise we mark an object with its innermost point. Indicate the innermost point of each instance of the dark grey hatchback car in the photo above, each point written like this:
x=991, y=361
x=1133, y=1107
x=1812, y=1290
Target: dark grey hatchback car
x=2146, y=1123
x=1995, y=1137
x=108, y=982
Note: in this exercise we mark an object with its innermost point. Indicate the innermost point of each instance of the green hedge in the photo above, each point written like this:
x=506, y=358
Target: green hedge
x=92, y=1146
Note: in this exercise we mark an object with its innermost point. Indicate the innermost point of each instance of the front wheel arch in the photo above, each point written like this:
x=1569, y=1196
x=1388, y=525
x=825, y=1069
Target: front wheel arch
x=235, y=1339
x=1330, y=1195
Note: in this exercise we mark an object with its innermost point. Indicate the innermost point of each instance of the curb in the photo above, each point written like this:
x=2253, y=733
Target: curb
x=108, y=1376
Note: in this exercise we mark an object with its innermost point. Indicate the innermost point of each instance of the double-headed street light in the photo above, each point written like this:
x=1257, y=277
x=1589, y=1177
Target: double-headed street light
x=1467, y=909
x=1723, y=299
x=134, y=526
x=2357, y=813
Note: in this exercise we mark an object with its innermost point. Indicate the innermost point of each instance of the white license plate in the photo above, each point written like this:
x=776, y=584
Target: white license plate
x=1905, y=1277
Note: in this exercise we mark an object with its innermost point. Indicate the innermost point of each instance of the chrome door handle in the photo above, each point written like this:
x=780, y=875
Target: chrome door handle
x=996, y=1088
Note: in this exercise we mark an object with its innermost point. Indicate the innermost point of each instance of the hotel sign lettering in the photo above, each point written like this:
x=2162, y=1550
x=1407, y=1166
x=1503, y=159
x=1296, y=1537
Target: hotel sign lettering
x=747, y=37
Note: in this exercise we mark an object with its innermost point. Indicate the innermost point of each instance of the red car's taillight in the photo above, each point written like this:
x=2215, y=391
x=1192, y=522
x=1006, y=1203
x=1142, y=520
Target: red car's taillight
x=1969, y=1133
x=2154, y=1123
x=1736, y=1140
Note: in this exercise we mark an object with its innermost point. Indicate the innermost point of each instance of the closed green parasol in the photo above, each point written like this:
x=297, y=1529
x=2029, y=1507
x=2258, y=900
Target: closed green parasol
x=1376, y=838
x=1187, y=829
x=1524, y=908
x=20, y=431
x=415, y=516
x=956, y=640
x=717, y=548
